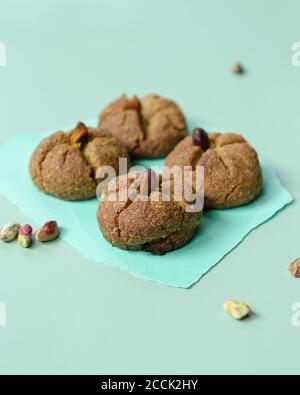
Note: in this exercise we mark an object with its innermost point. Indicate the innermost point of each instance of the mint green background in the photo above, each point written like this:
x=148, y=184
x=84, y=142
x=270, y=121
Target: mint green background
x=65, y=59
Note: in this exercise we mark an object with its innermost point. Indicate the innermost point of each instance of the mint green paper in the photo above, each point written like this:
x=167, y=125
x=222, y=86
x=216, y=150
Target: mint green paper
x=219, y=233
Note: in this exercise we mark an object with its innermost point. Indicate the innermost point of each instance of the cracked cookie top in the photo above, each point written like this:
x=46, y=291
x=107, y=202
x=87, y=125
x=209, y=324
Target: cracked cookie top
x=65, y=164
x=149, y=127
x=232, y=173
x=155, y=223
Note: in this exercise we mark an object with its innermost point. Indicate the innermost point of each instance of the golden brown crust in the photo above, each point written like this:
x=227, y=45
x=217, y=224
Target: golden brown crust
x=233, y=175
x=152, y=130
x=153, y=225
x=40, y=154
x=60, y=168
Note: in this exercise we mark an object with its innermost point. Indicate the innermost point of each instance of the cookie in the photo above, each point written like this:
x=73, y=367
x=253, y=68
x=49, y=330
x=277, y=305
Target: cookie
x=65, y=164
x=156, y=223
x=149, y=127
x=232, y=173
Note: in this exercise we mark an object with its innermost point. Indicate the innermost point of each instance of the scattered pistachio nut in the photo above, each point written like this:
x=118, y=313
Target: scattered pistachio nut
x=237, y=68
x=133, y=104
x=9, y=232
x=237, y=310
x=200, y=138
x=148, y=182
x=294, y=268
x=49, y=231
x=79, y=136
x=25, y=236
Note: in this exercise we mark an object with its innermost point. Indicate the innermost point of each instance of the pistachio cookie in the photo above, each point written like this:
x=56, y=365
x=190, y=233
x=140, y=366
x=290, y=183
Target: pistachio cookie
x=65, y=164
x=148, y=219
x=232, y=173
x=150, y=127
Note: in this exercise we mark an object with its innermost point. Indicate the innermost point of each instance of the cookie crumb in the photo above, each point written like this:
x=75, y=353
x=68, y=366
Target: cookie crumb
x=237, y=68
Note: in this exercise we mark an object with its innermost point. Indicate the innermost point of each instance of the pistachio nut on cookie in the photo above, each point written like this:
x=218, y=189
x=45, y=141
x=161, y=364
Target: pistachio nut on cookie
x=149, y=127
x=232, y=173
x=143, y=211
x=65, y=165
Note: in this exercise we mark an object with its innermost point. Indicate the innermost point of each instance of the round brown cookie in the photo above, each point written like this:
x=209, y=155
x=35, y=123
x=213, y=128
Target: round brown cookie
x=149, y=127
x=232, y=173
x=152, y=223
x=65, y=164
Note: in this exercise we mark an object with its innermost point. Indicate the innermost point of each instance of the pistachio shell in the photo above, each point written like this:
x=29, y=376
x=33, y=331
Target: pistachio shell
x=9, y=232
x=237, y=310
x=25, y=236
x=48, y=232
x=294, y=268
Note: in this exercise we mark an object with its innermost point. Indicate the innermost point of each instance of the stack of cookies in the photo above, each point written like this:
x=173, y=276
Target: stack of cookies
x=143, y=210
